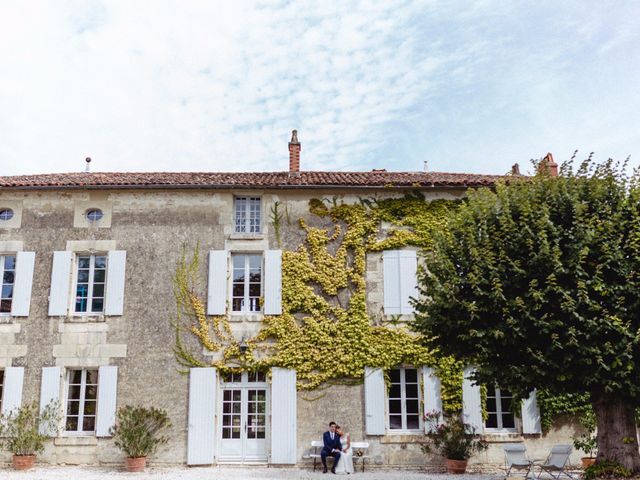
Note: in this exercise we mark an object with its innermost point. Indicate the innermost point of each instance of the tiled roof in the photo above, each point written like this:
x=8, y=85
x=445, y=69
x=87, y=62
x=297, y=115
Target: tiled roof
x=247, y=180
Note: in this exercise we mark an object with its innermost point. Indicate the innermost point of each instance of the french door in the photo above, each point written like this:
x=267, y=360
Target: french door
x=243, y=425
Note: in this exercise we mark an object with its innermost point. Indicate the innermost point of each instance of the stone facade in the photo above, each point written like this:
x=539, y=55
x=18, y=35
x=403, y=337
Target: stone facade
x=152, y=226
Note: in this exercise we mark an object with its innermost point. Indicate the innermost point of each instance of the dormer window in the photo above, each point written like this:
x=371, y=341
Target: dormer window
x=247, y=214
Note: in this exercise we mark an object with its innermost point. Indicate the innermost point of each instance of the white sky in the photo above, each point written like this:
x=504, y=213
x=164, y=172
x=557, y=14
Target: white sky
x=218, y=86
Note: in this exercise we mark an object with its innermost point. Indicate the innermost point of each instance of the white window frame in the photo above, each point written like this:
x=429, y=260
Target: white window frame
x=403, y=399
x=81, y=402
x=246, y=310
x=245, y=209
x=499, y=413
x=3, y=257
x=92, y=261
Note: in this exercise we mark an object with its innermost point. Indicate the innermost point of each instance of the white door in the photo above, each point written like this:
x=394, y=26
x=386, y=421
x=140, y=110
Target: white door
x=244, y=418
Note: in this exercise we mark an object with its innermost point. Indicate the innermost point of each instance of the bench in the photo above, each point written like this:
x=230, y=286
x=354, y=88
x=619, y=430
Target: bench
x=317, y=445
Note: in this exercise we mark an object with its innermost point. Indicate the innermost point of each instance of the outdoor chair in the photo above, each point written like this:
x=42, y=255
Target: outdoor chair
x=515, y=458
x=556, y=463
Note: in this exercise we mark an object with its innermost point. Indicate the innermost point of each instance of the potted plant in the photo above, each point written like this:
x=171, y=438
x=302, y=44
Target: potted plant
x=24, y=431
x=587, y=441
x=138, y=433
x=455, y=440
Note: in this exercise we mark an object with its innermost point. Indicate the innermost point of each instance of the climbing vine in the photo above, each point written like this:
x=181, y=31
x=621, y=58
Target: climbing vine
x=325, y=330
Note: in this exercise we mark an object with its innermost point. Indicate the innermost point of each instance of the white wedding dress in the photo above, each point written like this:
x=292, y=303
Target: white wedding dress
x=345, y=464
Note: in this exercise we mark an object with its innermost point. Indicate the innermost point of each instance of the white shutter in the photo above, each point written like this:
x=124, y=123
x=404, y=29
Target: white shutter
x=531, y=415
x=60, y=284
x=217, y=296
x=408, y=263
x=202, y=416
x=471, y=402
x=391, y=282
x=283, y=416
x=432, y=398
x=273, y=282
x=22, y=286
x=114, y=295
x=374, y=401
x=107, y=395
x=49, y=390
x=12, y=389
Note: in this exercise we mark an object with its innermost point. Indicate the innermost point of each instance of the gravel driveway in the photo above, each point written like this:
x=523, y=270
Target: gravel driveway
x=219, y=473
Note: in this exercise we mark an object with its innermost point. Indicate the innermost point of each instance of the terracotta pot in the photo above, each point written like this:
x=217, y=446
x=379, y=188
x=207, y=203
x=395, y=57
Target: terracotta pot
x=23, y=462
x=135, y=464
x=456, y=466
x=588, y=461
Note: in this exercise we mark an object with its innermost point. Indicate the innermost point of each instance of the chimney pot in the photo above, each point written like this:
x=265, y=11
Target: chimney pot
x=294, y=152
x=547, y=164
x=87, y=167
x=515, y=169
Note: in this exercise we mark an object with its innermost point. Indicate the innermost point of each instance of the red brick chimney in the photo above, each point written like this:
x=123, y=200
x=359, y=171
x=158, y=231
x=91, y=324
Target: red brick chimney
x=294, y=152
x=549, y=165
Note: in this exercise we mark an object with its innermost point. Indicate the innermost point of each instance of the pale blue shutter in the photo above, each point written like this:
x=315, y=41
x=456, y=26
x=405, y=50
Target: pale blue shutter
x=391, y=282
x=432, y=397
x=201, y=433
x=107, y=395
x=374, y=401
x=12, y=389
x=273, y=282
x=531, y=415
x=22, y=287
x=60, y=283
x=49, y=390
x=408, y=264
x=217, y=288
x=114, y=296
x=471, y=401
x=283, y=416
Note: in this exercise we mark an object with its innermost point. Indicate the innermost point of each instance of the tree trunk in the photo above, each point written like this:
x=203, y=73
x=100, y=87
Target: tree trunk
x=617, y=434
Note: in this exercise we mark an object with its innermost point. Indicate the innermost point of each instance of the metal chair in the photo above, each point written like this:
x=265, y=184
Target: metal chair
x=515, y=458
x=556, y=463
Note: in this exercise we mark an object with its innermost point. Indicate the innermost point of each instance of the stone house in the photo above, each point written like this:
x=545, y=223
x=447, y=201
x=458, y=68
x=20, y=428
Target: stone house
x=87, y=262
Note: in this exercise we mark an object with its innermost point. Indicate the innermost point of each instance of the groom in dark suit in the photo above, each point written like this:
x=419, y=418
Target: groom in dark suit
x=332, y=447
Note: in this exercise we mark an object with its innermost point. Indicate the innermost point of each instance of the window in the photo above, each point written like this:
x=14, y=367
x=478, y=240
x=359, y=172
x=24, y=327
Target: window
x=247, y=283
x=7, y=276
x=1, y=387
x=499, y=409
x=404, y=399
x=6, y=214
x=81, y=401
x=247, y=211
x=94, y=215
x=90, y=282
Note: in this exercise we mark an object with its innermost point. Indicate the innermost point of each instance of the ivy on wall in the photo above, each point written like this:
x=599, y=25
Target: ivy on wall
x=325, y=330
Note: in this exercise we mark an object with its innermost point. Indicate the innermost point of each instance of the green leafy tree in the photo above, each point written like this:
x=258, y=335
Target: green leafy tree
x=537, y=283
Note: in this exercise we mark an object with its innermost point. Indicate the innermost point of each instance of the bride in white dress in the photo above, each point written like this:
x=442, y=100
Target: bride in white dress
x=345, y=464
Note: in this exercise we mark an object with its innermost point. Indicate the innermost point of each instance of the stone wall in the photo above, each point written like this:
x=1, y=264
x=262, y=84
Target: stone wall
x=153, y=226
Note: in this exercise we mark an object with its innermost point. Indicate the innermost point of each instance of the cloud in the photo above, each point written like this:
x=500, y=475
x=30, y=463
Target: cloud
x=167, y=85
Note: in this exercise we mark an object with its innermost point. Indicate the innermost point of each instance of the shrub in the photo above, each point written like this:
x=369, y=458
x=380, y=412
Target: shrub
x=453, y=439
x=25, y=430
x=606, y=469
x=137, y=431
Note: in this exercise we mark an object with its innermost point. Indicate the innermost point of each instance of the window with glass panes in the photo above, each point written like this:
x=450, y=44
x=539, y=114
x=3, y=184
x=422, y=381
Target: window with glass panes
x=404, y=399
x=8, y=276
x=247, y=211
x=499, y=409
x=1, y=387
x=90, y=282
x=247, y=282
x=82, y=395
